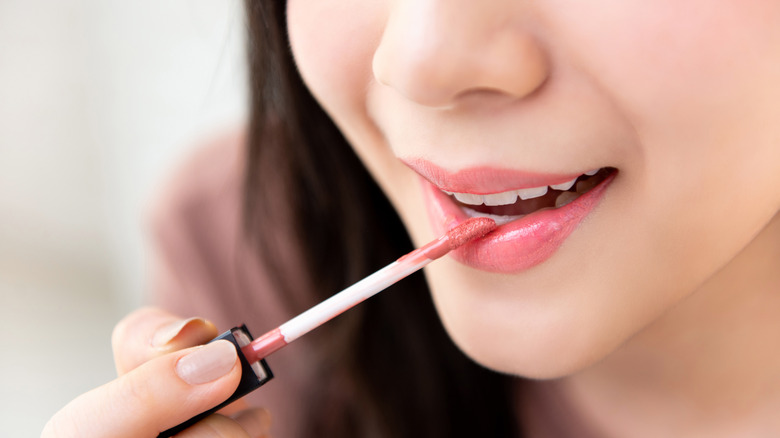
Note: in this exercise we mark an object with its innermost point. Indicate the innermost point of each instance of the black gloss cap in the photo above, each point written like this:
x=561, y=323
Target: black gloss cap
x=253, y=376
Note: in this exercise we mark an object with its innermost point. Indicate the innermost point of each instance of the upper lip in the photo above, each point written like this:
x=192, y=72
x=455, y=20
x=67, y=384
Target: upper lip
x=483, y=180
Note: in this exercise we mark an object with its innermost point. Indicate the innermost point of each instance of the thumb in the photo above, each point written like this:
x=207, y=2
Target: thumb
x=156, y=396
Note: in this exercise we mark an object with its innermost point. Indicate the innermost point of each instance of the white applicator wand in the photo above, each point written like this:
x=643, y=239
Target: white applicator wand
x=256, y=372
x=414, y=261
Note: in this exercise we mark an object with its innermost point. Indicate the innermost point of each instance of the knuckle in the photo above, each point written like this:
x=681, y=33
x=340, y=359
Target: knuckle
x=54, y=429
x=62, y=425
x=119, y=333
x=131, y=329
x=215, y=426
x=123, y=328
x=137, y=395
x=211, y=430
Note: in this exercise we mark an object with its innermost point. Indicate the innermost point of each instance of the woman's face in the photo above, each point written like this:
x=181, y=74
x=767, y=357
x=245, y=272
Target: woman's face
x=676, y=102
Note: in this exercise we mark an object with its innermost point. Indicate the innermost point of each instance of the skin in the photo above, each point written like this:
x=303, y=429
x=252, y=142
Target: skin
x=149, y=396
x=663, y=302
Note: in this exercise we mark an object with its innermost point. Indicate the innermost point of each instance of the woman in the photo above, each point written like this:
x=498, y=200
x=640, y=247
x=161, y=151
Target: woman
x=629, y=147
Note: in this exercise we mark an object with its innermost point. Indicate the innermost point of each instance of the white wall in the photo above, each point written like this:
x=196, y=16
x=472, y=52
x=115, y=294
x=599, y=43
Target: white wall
x=97, y=99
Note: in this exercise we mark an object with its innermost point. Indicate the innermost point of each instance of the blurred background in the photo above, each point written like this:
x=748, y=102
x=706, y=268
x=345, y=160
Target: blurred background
x=98, y=100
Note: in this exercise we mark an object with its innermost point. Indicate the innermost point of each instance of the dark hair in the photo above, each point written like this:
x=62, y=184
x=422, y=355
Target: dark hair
x=391, y=370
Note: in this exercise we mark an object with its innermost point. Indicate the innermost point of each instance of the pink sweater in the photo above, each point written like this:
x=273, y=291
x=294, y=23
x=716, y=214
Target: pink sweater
x=203, y=267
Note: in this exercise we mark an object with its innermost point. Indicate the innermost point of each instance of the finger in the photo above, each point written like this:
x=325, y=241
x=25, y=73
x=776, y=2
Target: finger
x=234, y=408
x=255, y=421
x=150, y=332
x=154, y=397
x=252, y=423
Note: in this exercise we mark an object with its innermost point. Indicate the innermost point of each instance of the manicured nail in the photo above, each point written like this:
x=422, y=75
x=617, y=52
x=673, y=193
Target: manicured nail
x=207, y=363
x=168, y=332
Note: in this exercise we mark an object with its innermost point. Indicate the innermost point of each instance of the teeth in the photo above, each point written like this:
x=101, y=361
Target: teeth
x=534, y=192
x=468, y=198
x=564, y=186
x=500, y=220
x=584, y=186
x=565, y=197
x=510, y=197
x=506, y=198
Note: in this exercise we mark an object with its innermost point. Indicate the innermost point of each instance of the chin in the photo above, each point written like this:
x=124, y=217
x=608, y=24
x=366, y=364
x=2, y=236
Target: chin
x=538, y=333
x=551, y=354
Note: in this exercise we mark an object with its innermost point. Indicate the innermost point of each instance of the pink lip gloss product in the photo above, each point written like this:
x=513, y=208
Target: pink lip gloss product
x=255, y=372
x=522, y=243
x=369, y=286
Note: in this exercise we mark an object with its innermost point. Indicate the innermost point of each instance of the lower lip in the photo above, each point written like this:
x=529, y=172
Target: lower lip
x=517, y=245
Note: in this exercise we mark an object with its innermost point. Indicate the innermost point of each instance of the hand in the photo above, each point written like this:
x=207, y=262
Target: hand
x=163, y=381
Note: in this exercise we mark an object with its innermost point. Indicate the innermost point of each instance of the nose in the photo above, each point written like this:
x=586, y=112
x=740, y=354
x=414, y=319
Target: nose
x=434, y=52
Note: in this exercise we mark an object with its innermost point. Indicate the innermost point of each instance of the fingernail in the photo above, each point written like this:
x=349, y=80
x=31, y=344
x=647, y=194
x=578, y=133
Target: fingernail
x=207, y=363
x=168, y=332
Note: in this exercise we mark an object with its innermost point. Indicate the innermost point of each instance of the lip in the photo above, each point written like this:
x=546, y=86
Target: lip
x=484, y=180
x=517, y=245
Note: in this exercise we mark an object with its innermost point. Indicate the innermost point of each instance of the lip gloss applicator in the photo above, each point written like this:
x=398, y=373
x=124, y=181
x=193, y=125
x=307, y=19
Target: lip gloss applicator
x=414, y=261
x=252, y=353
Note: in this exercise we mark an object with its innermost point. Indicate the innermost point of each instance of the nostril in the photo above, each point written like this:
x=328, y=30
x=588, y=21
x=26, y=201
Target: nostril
x=514, y=63
x=483, y=97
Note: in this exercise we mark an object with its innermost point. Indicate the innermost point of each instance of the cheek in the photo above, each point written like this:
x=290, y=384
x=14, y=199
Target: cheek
x=671, y=51
x=333, y=44
x=697, y=80
x=682, y=68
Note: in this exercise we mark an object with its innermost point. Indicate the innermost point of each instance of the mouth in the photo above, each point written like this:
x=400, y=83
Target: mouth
x=512, y=205
x=534, y=220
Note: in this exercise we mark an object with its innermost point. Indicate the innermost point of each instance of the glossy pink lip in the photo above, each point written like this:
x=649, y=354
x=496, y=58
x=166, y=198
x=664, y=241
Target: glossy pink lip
x=484, y=180
x=517, y=245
